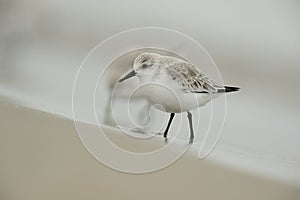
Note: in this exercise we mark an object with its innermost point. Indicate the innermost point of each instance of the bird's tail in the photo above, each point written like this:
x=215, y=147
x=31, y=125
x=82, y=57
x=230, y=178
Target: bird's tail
x=231, y=89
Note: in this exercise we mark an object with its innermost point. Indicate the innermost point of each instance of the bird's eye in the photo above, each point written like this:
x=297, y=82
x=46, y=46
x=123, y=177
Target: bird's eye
x=144, y=60
x=144, y=66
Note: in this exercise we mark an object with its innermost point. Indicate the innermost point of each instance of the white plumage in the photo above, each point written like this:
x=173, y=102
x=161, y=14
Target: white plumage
x=174, y=85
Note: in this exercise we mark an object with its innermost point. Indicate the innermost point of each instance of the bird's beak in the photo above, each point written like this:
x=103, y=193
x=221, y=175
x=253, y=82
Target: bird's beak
x=127, y=76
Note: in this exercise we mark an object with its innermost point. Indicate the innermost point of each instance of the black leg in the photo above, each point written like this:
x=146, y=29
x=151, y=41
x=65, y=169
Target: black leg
x=189, y=115
x=169, y=124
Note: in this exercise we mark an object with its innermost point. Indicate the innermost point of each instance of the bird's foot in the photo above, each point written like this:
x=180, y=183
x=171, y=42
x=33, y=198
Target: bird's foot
x=166, y=140
x=191, y=140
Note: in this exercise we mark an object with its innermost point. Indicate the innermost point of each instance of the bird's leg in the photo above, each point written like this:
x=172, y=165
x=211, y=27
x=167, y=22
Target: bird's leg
x=189, y=115
x=168, y=126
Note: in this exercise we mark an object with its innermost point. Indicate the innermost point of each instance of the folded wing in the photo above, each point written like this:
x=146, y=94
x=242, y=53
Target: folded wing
x=191, y=79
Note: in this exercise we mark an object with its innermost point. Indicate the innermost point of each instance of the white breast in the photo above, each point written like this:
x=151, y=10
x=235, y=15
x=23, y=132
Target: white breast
x=172, y=100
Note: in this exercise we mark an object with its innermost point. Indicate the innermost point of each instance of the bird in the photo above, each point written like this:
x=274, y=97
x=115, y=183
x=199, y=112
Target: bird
x=174, y=85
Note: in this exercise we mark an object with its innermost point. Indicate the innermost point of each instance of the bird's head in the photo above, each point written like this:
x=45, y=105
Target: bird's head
x=144, y=64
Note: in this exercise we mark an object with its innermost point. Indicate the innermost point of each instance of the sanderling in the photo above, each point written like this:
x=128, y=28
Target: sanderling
x=174, y=85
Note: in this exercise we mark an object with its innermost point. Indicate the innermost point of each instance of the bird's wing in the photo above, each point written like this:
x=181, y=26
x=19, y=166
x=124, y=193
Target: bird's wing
x=191, y=79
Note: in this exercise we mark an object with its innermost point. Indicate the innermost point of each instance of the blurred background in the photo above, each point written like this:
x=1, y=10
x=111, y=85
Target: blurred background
x=255, y=44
